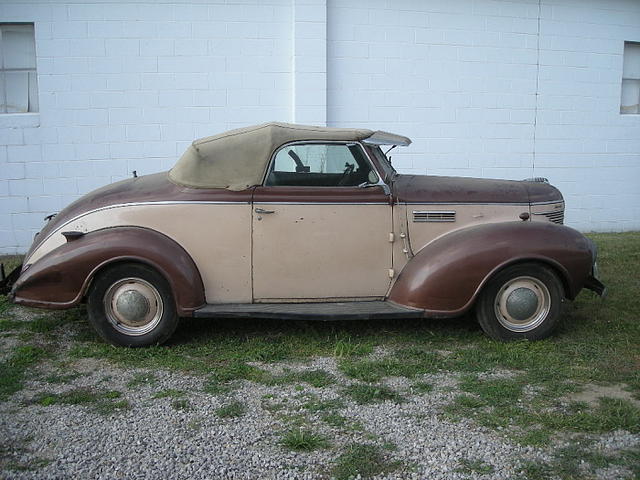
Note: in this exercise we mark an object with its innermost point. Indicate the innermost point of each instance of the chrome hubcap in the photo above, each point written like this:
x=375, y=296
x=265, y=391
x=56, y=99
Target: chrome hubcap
x=522, y=304
x=133, y=306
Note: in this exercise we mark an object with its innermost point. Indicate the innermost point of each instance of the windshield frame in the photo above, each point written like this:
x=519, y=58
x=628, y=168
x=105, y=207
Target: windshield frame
x=383, y=164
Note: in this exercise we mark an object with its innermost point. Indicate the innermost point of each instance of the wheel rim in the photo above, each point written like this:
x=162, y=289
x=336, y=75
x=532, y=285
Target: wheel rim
x=133, y=306
x=522, y=304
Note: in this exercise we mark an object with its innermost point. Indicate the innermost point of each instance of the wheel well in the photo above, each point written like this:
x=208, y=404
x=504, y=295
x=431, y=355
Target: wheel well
x=109, y=264
x=540, y=261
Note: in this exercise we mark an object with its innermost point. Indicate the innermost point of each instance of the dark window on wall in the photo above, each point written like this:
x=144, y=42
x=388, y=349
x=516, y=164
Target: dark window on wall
x=18, y=79
x=630, y=98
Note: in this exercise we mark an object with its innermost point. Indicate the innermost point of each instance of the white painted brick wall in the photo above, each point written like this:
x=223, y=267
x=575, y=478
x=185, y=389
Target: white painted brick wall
x=127, y=86
x=461, y=79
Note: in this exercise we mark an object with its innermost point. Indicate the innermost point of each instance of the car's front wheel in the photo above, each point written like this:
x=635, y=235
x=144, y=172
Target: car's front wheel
x=523, y=301
x=132, y=305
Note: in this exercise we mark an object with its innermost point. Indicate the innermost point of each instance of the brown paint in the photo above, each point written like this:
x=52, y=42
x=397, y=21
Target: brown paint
x=543, y=192
x=148, y=188
x=446, y=275
x=61, y=278
x=432, y=189
x=320, y=195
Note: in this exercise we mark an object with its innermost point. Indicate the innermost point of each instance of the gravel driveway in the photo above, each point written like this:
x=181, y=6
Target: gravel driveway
x=156, y=424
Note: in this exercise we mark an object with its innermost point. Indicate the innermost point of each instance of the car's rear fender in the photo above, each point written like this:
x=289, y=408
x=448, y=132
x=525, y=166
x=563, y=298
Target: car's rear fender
x=61, y=278
x=445, y=277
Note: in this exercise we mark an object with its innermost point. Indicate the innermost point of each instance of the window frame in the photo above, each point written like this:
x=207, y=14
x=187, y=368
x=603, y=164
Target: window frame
x=623, y=78
x=364, y=151
x=3, y=71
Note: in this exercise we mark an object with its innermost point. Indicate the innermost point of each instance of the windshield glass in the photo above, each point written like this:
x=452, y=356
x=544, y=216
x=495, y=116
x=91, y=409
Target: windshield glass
x=388, y=171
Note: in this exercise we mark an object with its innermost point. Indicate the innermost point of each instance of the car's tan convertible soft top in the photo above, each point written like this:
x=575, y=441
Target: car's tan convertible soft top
x=238, y=159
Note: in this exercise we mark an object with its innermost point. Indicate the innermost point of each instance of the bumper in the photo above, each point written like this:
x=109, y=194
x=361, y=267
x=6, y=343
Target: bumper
x=7, y=281
x=596, y=286
x=593, y=283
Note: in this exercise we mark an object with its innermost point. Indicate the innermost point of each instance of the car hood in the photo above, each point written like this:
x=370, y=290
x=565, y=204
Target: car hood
x=433, y=189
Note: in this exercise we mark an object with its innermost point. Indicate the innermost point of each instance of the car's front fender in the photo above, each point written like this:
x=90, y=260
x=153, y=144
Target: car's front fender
x=445, y=277
x=60, y=279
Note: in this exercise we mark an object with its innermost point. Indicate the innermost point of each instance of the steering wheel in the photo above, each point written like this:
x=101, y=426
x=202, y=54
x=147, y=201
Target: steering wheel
x=348, y=170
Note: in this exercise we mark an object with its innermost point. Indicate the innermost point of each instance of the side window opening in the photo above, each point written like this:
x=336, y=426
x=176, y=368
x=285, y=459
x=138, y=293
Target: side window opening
x=320, y=165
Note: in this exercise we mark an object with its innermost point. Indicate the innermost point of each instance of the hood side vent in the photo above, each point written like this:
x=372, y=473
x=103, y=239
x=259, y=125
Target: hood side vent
x=434, y=216
x=555, y=217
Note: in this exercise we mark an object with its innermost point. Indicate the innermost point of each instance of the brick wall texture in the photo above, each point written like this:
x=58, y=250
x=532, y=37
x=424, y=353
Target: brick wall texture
x=485, y=88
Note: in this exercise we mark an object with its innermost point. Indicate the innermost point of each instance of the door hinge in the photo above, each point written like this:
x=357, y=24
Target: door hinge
x=405, y=244
x=392, y=273
x=392, y=237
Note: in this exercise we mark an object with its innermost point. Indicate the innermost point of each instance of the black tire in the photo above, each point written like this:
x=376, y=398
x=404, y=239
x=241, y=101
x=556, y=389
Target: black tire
x=131, y=305
x=523, y=301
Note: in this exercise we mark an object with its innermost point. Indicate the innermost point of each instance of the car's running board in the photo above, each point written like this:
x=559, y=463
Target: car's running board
x=310, y=311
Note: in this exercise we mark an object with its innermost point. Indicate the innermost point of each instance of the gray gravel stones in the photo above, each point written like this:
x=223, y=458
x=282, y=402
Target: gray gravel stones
x=156, y=439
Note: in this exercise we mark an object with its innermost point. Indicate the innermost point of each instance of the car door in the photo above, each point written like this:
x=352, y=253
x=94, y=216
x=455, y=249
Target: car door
x=321, y=226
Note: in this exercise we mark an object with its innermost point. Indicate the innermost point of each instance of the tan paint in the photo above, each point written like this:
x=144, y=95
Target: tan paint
x=317, y=251
x=217, y=236
x=400, y=245
x=423, y=233
x=349, y=248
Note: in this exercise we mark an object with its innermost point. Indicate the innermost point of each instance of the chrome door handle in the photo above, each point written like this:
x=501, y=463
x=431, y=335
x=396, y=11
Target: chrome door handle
x=263, y=211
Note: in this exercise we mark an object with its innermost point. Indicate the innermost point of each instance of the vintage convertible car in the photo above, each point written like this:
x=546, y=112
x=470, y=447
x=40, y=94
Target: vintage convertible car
x=291, y=221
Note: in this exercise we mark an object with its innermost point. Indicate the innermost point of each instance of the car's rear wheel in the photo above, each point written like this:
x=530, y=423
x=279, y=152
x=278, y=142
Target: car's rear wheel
x=132, y=305
x=523, y=301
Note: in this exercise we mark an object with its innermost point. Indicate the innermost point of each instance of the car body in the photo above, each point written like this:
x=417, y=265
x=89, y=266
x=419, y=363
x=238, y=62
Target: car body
x=291, y=221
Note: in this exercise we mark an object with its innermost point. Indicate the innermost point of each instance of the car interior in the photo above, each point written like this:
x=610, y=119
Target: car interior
x=319, y=165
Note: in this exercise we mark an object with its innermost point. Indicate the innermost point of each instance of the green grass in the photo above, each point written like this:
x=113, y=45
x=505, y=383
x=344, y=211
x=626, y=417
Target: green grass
x=610, y=414
x=469, y=467
x=499, y=403
x=48, y=324
x=422, y=387
x=316, y=378
x=103, y=402
x=45, y=323
x=13, y=371
x=7, y=325
x=315, y=405
x=334, y=419
x=181, y=404
x=141, y=379
x=225, y=376
x=405, y=362
x=32, y=466
x=364, y=393
x=231, y=410
x=363, y=460
x=580, y=460
x=303, y=440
